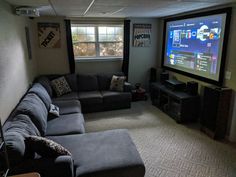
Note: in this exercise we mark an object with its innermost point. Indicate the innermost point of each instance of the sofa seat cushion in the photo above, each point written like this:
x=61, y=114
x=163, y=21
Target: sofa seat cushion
x=103, y=154
x=90, y=97
x=112, y=96
x=69, y=96
x=66, y=125
x=68, y=106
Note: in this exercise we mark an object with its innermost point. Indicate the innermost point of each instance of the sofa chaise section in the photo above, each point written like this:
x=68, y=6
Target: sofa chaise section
x=110, y=153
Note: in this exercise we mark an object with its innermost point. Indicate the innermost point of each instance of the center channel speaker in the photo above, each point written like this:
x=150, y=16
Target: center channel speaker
x=192, y=88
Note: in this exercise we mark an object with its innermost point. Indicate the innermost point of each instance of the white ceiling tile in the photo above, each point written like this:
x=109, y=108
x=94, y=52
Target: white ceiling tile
x=125, y=8
x=33, y=3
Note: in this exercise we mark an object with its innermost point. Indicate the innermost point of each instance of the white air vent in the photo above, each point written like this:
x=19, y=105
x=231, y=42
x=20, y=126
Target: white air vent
x=27, y=11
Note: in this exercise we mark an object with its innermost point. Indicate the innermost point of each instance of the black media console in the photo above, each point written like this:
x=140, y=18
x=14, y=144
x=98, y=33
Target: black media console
x=180, y=105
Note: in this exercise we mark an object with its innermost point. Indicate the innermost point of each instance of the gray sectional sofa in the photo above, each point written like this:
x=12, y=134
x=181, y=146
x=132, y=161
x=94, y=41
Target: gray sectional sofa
x=93, y=91
x=100, y=154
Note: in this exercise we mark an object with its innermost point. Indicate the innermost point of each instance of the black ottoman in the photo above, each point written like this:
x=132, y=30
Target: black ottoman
x=104, y=154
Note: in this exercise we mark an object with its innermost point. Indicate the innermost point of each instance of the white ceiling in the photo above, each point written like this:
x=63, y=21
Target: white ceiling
x=117, y=8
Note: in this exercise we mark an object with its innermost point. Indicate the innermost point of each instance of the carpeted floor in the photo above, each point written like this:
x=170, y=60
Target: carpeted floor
x=168, y=149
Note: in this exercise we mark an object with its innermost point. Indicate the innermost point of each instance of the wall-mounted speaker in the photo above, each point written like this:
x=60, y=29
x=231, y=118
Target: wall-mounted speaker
x=164, y=76
x=192, y=88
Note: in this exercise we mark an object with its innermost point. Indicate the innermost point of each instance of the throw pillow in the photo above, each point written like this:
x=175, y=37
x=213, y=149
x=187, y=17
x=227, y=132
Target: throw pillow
x=60, y=86
x=117, y=83
x=46, y=147
x=54, y=110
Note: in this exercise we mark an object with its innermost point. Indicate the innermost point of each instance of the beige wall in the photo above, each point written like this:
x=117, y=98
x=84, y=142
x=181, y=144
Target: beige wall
x=16, y=70
x=51, y=60
x=93, y=67
x=143, y=58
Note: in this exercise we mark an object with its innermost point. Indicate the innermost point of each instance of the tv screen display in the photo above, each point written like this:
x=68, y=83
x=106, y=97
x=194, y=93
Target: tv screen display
x=194, y=45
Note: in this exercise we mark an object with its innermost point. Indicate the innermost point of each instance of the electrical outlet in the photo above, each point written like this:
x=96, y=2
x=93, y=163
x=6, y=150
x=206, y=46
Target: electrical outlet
x=227, y=75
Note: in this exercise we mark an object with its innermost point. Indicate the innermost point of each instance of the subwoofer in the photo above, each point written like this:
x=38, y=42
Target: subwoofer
x=153, y=75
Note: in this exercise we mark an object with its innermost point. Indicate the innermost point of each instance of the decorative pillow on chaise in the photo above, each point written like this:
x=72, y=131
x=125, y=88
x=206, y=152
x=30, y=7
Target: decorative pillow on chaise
x=60, y=86
x=46, y=147
x=117, y=83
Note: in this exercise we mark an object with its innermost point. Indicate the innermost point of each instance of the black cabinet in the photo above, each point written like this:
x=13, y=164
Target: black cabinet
x=179, y=105
x=215, y=113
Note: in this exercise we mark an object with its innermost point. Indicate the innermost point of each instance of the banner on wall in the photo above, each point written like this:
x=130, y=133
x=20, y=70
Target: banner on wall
x=49, y=35
x=142, y=35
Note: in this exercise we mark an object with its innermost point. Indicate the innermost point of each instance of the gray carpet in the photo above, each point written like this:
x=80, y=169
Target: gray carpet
x=168, y=149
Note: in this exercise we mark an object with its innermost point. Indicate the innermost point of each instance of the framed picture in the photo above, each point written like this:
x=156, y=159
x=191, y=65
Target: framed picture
x=142, y=35
x=28, y=43
x=49, y=35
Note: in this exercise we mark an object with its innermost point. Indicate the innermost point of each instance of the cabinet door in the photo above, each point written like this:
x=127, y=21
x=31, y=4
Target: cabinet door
x=175, y=109
x=155, y=94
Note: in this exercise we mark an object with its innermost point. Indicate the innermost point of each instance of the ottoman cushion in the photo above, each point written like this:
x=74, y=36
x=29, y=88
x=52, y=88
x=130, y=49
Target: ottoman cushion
x=103, y=154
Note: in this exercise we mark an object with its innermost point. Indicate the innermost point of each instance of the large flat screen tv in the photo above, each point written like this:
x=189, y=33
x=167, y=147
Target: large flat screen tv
x=195, y=45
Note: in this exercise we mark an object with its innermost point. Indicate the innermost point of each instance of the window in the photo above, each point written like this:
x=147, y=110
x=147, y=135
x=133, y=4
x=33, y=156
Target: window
x=97, y=41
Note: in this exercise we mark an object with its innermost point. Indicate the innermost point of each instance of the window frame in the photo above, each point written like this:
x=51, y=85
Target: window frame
x=97, y=48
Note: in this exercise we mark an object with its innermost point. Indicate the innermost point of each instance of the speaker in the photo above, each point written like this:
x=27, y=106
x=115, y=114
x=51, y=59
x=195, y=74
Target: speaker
x=192, y=88
x=216, y=111
x=153, y=75
x=163, y=77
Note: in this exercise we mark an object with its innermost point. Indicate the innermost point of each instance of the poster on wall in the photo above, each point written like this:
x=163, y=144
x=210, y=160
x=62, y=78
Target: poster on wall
x=49, y=35
x=142, y=35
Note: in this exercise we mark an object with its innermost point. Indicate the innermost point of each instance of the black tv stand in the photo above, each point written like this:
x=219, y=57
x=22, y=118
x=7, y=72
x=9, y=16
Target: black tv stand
x=181, y=106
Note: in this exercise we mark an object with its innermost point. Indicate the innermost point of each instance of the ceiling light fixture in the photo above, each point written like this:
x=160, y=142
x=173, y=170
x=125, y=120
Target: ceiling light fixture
x=89, y=7
x=117, y=11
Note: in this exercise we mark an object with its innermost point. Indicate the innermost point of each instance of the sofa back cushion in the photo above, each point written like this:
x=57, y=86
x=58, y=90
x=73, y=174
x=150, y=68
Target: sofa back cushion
x=21, y=124
x=87, y=82
x=34, y=107
x=72, y=81
x=42, y=93
x=104, y=80
x=45, y=82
